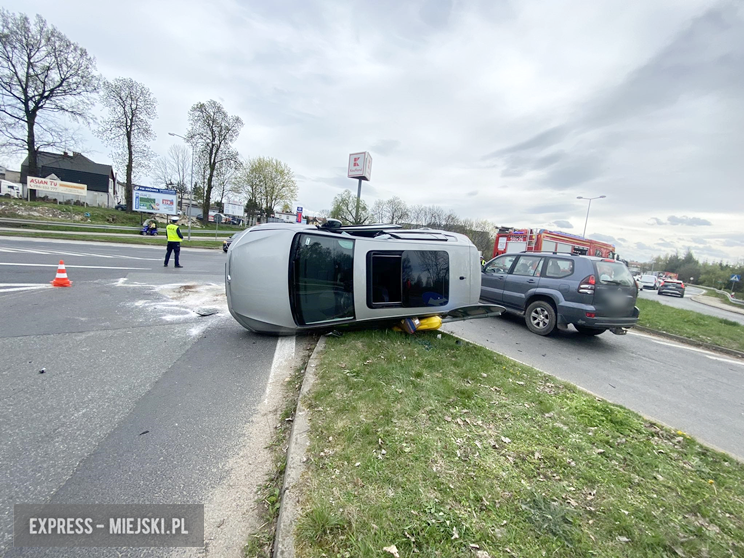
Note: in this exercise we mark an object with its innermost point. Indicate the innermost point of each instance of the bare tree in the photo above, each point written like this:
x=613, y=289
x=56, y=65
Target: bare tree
x=225, y=176
x=43, y=75
x=128, y=129
x=212, y=132
x=396, y=209
x=173, y=169
x=416, y=214
x=267, y=182
x=378, y=213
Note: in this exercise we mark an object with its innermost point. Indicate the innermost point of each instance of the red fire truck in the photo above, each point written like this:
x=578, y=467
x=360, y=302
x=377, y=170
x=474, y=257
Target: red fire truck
x=509, y=240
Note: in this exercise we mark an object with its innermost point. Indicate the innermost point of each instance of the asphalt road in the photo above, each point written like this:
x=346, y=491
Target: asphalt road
x=689, y=389
x=141, y=400
x=687, y=303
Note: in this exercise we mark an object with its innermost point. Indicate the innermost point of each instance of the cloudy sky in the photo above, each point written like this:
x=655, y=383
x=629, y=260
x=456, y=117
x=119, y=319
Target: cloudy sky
x=499, y=109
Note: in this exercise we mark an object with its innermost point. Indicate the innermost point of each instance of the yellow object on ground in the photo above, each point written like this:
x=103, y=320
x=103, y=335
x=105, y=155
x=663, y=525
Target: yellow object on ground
x=432, y=322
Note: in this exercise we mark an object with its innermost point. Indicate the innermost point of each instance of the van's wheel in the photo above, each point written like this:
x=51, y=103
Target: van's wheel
x=589, y=330
x=540, y=318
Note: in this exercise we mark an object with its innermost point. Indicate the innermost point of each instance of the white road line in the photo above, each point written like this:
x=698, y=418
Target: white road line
x=74, y=266
x=704, y=352
x=75, y=254
x=15, y=289
x=283, y=355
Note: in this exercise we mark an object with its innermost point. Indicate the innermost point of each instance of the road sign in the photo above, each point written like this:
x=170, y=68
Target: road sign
x=299, y=214
x=735, y=278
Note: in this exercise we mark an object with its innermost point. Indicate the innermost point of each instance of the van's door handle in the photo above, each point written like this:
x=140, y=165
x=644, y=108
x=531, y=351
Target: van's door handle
x=530, y=280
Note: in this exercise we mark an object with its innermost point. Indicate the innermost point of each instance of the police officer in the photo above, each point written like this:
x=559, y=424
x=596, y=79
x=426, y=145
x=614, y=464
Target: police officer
x=174, y=241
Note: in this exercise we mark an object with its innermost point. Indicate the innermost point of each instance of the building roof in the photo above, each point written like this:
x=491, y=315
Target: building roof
x=70, y=161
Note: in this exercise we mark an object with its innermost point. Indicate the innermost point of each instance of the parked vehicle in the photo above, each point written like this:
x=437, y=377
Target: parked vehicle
x=120, y=207
x=671, y=286
x=283, y=278
x=552, y=290
x=227, y=242
x=10, y=189
x=511, y=241
x=649, y=282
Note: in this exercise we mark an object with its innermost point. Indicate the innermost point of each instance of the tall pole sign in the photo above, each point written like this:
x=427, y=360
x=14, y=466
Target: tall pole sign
x=360, y=167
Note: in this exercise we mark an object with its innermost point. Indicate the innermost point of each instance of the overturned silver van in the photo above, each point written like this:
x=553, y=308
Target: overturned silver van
x=284, y=278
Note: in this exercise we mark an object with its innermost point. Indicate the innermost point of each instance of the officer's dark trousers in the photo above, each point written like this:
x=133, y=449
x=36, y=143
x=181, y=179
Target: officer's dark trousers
x=174, y=247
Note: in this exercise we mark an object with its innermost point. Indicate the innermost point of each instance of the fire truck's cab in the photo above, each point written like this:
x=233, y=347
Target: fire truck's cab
x=510, y=240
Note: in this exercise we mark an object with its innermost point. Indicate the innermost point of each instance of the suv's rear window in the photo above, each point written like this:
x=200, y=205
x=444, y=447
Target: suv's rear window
x=613, y=273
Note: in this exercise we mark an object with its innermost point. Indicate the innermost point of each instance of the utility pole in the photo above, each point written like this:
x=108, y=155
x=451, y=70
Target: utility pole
x=191, y=187
x=587, y=209
x=359, y=196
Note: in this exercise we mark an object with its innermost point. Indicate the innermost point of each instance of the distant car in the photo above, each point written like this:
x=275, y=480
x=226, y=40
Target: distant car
x=227, y=242
x=551, y=290
x=120, y=207
x=649, y=282
x=282, y=278
x=671, y=286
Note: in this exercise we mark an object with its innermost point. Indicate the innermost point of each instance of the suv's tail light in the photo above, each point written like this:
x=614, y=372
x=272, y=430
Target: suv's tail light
x=587, y=285
x=661, y=284
x=682, y=285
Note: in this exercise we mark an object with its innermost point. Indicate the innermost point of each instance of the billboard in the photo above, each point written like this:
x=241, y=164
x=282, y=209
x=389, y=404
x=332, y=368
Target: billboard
x=360, y=166
x=57, y=187
x=233, y=209
x=155, y=200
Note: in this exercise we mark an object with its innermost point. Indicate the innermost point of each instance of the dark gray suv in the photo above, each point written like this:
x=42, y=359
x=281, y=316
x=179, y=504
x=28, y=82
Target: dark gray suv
x=552, y=290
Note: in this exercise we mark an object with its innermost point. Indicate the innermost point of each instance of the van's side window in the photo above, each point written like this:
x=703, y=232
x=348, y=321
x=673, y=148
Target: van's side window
x=408, y=278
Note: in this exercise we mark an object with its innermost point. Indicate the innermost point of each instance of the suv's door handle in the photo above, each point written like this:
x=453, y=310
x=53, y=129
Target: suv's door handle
x=530, y=280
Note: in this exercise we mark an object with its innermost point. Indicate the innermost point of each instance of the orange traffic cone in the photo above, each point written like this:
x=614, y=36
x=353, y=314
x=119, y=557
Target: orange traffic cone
x=61, y=279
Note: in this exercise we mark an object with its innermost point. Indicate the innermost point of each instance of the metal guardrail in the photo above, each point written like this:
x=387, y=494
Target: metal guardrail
x=14, y=221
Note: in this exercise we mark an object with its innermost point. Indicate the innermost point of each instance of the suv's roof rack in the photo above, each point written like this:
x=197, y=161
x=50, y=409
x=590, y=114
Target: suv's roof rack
x=549, y=252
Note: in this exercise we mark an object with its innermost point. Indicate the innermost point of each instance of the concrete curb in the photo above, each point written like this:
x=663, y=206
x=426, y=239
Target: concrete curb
x=686, y=341
x=720, y=306
x=298, y=441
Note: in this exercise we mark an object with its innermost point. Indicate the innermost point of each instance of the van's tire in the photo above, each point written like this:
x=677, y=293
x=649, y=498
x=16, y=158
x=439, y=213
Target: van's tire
x=589, y=330
x=540, y=317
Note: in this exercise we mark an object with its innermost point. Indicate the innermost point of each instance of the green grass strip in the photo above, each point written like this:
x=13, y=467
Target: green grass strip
x=443, y=448
x=693, y=325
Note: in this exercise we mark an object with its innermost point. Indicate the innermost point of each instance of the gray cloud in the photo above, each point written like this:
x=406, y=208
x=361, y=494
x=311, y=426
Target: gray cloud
x=622, y=239
x=551, y=208
x=656, y=221
x=472, y=193
x=688, y=221
x=665, y=244
x=604, y=238
x=436, y=12
x=549, y=137
x=700, y=241
x=642, y=246
x=385, y=147
x=563, y=224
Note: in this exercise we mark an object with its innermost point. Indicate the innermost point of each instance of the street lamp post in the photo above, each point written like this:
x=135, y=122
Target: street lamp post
x=587, y=209
x=191, y=186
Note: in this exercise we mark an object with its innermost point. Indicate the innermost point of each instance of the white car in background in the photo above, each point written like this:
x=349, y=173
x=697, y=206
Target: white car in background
x=649, y=282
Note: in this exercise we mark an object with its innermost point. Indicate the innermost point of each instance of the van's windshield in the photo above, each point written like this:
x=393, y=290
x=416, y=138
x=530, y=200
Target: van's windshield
x=322, y=279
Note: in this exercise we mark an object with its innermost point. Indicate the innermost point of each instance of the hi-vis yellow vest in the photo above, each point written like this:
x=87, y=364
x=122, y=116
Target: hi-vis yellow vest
x=172, y=234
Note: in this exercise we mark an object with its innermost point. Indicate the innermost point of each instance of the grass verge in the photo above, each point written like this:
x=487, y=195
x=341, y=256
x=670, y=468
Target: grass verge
x=122, y=239
x=260, y=544
x=722, y=297
x=693, y=325
x=442, y=448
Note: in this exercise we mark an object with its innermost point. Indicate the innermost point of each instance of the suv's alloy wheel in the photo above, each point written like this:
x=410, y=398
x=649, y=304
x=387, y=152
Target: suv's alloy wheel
x=540, y=318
